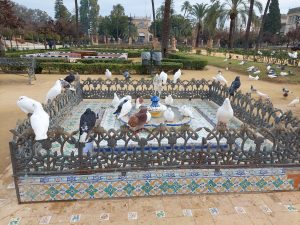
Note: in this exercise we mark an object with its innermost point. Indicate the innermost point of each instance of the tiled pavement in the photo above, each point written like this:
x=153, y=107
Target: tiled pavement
x=278, y=208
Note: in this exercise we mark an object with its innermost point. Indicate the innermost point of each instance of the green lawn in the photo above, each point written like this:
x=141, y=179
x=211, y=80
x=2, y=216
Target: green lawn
x=242, y=69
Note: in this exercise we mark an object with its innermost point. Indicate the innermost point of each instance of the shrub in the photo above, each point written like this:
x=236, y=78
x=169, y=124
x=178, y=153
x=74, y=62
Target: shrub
x=91, y=61
x=189, y=64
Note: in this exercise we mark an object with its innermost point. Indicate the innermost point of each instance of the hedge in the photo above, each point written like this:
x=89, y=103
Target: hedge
x=99, y=68
x=91, y=61
x=189, y=64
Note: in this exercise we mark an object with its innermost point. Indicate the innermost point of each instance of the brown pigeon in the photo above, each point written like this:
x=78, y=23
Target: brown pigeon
x=138, y=120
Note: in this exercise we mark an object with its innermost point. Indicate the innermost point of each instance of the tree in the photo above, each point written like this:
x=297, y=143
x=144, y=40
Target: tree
x=76, y=18
x=213, y=16
x=198, y=12
x=272, y=23
x=166, y=28
x=154, y=20
x=250, y=18
x=84, y=15
x=186, y=8
x=94, y=16
x=259, y=37
x=61, y=12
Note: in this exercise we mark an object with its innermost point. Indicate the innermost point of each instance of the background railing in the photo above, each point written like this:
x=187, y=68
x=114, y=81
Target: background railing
x=271, y=137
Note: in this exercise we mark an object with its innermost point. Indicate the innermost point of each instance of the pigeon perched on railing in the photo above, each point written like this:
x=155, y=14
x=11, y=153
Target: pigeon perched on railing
x=235, y=85
x=219, y=77
x=26, y=104
x=164, y=77
x=70, y=78
x=177, y=75
x=54, y=91
x=39, y=121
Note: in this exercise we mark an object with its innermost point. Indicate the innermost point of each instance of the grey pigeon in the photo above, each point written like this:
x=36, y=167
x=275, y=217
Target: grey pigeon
x=235, y=85
x=120, y=107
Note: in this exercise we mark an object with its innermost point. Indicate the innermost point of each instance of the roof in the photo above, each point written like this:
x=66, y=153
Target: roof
x=294, y=10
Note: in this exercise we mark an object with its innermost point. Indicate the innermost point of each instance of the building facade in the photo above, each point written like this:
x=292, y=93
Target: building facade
x=143, y=24
x=292, y=20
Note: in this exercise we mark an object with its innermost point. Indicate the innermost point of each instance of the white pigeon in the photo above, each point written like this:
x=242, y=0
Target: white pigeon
x=169, y=115
x=253, y=78
x=39, y=122
x=269, y=67
x=282, y=73
x=185, y=111
x=225, y=112
x=219, y=77
x=128, y=97
x=294, y=102
x=108, y=74
x=262, y=95
x=249, y=69
x=54, y=91
x=148, y=117
x=138, y=102
x=115, y=101
x=177, y=76
x=26, y=104
x=169, y=100
x=126, y=108
x=242, y=62
x=293, y=55
x=227, y=68
x=259, y=52
x=256, y=72
x=272, y=53
x=164, y=77
x=272, y=76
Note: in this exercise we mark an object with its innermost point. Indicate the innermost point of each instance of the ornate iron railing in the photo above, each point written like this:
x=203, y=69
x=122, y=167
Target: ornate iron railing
x=272, y=134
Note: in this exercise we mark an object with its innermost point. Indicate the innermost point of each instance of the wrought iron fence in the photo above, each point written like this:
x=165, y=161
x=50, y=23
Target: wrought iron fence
x=271, y=137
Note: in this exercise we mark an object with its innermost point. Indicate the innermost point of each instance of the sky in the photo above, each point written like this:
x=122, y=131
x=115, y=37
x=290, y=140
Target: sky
x=134, y=7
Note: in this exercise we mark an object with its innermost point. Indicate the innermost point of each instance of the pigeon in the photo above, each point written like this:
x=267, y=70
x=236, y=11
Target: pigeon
x=108, y=74
x=128, y=97
x=39, y=121
x=138, y=102
x=283, y=73
x=124, y=108
x=256, y=71
x=148, y=117
x=164, y=77
x=252, y=89
x=169, y=115
x=226, y=68
x=272, y=76
x=242, y=62
x=70, y=78
x=139, y=119
x=250, y=69
x=177, y=76
x=219, y=77
x=293, y=55
x=87, y=123
x=126, y=74
x=294, y=102
x=169, y=100
x=225, y=112
x=115, y=101
x=272, y=53
x=259, y=52
x=269, y=67
x=185, y=111
x=253, y=78
x=54, y=91
x=262, y=95
x=285, y=92
x=26, y=104
x=235, y=85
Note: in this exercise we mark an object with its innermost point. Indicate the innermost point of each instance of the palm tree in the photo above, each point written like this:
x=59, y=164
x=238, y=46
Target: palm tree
x=250, y=18
x=262, y=25
x=166, y=28
x=186, y=8
x=198, y=12
x=76, y=16
x=214, y=17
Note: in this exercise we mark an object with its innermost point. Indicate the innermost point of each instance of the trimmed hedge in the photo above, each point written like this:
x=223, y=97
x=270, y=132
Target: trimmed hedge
x=188, y=61
x=189, y=64
x=91, y=61
x=99, y=68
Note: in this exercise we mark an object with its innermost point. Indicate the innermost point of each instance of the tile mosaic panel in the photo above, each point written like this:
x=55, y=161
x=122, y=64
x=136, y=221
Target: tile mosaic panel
x=152, y=183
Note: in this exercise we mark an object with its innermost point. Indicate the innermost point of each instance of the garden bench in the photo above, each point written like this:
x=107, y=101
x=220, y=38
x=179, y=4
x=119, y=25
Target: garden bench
x=19, y=64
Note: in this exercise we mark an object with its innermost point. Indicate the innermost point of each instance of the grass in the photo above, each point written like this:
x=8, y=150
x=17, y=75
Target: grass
x=294, y=78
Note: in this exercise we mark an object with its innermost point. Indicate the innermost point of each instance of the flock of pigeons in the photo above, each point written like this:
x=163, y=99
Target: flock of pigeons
x=39, y=119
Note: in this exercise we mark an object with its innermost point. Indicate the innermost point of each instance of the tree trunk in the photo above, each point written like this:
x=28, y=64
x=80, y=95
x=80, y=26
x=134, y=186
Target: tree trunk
x=258, y=41
x=77, y=24
x=231, y=30
x=198, y=35
x=250, y=15
x=154, y=21
x=2, y=48
x=166, y=28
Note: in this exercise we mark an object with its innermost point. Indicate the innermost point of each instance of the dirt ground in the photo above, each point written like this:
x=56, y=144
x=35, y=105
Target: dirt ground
x=12, y=86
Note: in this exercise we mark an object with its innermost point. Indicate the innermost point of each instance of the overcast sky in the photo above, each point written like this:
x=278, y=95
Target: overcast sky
x=133, y=7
